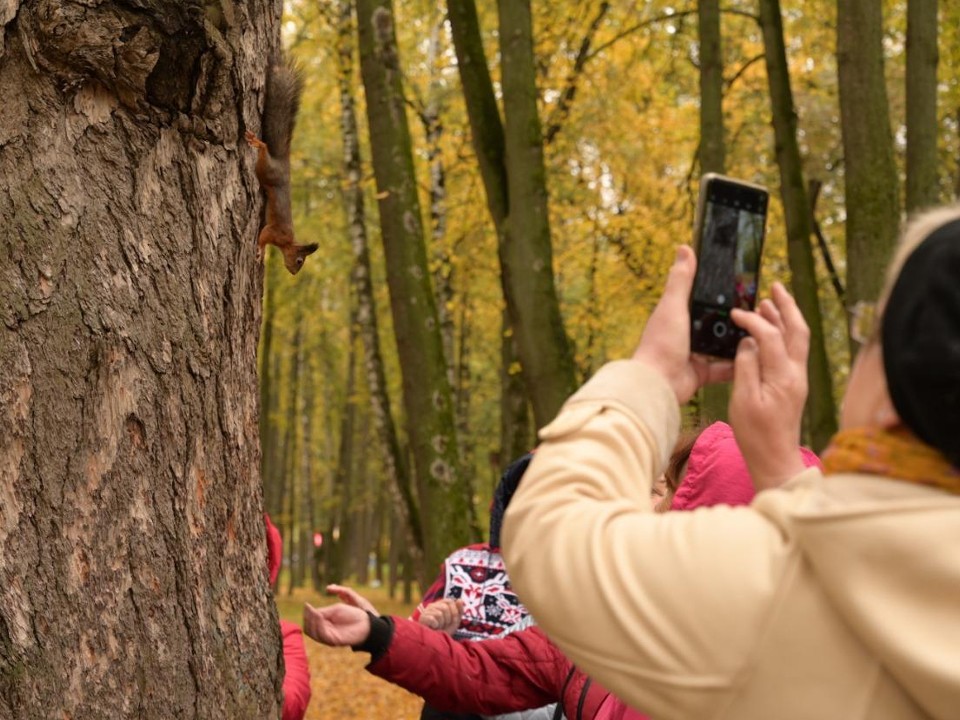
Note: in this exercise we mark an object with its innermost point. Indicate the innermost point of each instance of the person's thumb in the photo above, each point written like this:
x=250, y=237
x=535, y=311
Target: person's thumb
x=680, y=278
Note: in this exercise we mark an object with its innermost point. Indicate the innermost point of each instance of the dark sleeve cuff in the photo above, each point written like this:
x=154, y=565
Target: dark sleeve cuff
x=378, y=641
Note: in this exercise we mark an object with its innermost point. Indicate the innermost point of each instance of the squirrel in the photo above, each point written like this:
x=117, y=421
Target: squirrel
x=284, y=87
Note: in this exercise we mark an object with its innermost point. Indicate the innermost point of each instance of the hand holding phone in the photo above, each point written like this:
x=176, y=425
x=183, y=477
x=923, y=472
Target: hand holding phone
x=730, y=227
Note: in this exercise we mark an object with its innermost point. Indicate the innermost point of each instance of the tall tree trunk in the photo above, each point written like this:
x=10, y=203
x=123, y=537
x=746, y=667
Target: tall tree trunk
x=526, y=263
x=516, y=433
x=714, y=399
x=820, y=412
x=393, y=459
x=341, y=527
x=545, y=350
x=923, y=187
x=870, y=174
x=132, y=572
x=285, y=521
x=487, y=134
x=306, y=519
x=427, y=394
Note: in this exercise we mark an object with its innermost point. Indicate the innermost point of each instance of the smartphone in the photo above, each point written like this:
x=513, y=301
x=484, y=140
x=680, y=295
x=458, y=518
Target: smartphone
x=728, y=238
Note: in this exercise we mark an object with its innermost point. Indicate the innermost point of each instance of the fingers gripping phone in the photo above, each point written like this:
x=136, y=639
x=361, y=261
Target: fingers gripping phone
x=728, y=238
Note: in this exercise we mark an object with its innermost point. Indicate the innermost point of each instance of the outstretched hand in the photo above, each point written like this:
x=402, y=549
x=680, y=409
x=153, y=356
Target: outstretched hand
x=665, y=344
x=351, y=597
x=336, y=625
x=770, y=388
x=443, y=615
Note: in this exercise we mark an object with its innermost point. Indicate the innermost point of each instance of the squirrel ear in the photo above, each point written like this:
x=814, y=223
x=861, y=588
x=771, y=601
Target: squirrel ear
x=305, y=250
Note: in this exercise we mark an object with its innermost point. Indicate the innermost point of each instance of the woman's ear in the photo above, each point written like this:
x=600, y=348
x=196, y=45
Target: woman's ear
x=886, y=415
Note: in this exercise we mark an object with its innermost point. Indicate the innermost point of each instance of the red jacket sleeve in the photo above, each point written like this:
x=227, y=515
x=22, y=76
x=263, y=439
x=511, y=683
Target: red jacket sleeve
x=520, y=671
x=296, y=681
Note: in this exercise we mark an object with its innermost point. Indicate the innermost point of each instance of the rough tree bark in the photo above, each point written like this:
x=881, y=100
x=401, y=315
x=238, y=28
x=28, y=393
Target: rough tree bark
x=392, y=457
x=922, y=122
x=132, y=551
x=714, y=399
x=427, y=394
x=820, y=412
x=269, y=376
x=870, y=173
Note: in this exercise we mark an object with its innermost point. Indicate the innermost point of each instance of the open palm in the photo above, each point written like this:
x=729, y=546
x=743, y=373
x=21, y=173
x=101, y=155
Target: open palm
x=336, y=625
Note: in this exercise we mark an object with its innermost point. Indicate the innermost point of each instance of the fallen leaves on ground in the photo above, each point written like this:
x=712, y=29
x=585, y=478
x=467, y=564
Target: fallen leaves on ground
x=341, y=688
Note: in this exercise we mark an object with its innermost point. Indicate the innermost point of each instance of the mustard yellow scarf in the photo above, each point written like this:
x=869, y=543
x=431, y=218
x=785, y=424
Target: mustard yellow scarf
x=893, y=453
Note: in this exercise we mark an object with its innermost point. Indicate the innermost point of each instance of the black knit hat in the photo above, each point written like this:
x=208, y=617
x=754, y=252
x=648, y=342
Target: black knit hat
x=920, y=336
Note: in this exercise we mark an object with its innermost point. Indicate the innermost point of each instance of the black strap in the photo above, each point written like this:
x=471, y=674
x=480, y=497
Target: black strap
x=583, y=698
x=558, y=713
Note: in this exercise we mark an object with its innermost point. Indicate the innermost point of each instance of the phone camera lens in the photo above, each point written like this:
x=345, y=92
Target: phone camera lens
x=719, y=329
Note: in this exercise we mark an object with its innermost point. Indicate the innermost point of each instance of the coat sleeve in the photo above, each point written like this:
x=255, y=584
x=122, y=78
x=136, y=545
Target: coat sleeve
x=518, y=672
x=296, y=680
x=661, y=609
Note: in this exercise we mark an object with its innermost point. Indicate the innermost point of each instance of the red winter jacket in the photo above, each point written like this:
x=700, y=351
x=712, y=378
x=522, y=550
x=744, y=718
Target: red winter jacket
x=519, y=671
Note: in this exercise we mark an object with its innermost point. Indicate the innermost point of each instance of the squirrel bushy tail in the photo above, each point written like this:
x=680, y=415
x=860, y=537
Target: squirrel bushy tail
x=284, y=88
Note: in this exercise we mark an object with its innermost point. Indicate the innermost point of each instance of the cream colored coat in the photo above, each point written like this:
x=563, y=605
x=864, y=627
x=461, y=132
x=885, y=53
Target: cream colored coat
x=831, y=597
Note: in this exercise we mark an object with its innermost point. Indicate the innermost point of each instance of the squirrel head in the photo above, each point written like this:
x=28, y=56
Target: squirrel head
x=295, y=255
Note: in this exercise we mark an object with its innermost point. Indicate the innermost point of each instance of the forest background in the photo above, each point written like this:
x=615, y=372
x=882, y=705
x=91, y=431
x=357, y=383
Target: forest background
x=630, y=110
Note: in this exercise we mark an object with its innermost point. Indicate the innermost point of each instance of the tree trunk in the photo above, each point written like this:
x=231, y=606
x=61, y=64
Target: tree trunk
x=341, y=527
x=714, y=399
x=516, y=433
x=394, y=461
x=427, y=394
x=923, y=188
x=132, y=571
x=870, y=174
x=286, y=522
x=545, y=350
x=820, y=412
x=526, y=265
x=305, y=523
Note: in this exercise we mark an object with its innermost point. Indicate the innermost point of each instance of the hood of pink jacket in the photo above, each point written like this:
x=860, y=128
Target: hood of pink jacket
x=274, y=549
x=717, y=473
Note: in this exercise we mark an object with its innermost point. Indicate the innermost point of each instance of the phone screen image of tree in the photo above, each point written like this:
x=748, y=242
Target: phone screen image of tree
x=747, y=264
x=716, y=279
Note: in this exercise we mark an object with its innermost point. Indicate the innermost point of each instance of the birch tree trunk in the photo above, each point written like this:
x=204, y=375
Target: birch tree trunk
x=923, y=187
x=820, y=413
x=132, y=551
x=427, y=395
x=870, y=174
x=714, y=399
x=392, y=457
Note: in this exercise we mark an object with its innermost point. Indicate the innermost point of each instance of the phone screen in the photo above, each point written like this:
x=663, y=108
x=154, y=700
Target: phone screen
x=732, y=226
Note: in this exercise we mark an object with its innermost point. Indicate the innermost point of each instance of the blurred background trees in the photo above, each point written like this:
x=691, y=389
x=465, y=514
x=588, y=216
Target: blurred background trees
x=549, y=169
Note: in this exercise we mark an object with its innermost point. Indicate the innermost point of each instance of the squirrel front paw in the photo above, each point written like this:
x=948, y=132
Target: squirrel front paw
x=253, y=141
